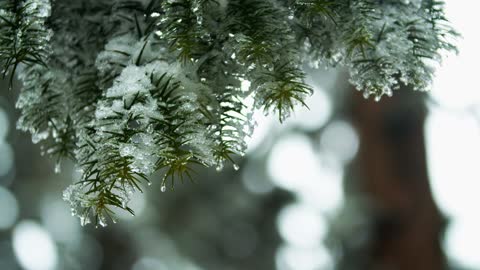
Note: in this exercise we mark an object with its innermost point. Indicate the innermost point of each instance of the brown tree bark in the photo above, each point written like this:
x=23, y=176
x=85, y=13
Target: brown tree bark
x=391, y=170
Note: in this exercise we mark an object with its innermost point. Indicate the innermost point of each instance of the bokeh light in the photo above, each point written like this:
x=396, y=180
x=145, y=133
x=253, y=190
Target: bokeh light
x=453, y=167
x=34, y=247
x=453, y=137
x=301, y=226
x=293, y=164
x=462, y=241
x=8, y=209
x=263, y=128
x=340, y=141
x=290, y=258
x=6, y=158
x=316, y=115
x=4, y=125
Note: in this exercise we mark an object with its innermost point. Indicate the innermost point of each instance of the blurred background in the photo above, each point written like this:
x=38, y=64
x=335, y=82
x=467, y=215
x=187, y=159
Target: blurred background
x=349, y=184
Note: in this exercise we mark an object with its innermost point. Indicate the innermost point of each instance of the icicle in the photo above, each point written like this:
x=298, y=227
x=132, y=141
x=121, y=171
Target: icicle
x=102, y=221
x=58, y=168
x=84, y=220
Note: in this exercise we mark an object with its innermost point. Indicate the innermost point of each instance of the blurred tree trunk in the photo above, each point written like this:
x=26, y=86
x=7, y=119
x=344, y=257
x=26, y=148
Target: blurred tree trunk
x=391, y=170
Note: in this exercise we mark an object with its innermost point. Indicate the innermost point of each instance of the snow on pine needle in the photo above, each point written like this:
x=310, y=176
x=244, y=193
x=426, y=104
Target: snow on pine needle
x=129, y=88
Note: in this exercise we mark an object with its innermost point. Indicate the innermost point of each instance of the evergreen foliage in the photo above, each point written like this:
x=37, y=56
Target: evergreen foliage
x=129, y=88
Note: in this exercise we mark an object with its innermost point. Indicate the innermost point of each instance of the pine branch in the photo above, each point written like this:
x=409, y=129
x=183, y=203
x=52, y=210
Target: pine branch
x=182, y=27
x=281, y=89
x=23, y=37
x=130, y=88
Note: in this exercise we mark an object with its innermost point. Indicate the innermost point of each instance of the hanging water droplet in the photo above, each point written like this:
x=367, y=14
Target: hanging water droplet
x=378, y=98
x=366, y=94
x=389, y=92
x=57, y=167
x=149, y=183
x=219, y=168
x=163, y=188
x=102, y=221
x=236, y=167
x=84, y=220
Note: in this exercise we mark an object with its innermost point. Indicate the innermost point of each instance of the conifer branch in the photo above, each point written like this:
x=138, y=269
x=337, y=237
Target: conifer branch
x=129, y=88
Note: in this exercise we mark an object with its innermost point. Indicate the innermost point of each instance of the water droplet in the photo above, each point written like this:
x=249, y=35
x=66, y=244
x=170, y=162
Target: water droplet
x=57, y=168
x=219, y=168
x=236, y=167
x=378, y=98
x=84, y=220
x=149, y=183
x=163, y=188
x=102, y=222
